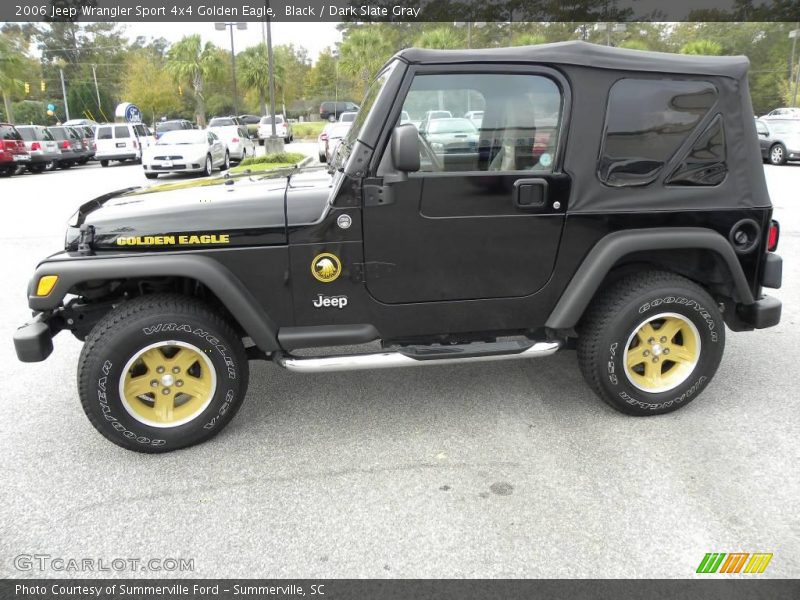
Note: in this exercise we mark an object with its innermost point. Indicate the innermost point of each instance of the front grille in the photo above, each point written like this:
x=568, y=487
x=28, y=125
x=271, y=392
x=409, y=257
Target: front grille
x=160, y=168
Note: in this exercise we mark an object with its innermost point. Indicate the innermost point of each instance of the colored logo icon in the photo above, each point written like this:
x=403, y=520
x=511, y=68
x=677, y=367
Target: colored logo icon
x=326, y=267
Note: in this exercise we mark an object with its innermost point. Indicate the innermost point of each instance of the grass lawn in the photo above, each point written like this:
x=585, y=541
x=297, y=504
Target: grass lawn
x=308, y=130
x=269, y=162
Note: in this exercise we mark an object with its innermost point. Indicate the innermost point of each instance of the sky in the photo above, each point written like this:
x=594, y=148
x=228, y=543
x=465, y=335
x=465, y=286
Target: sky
x=314, y=37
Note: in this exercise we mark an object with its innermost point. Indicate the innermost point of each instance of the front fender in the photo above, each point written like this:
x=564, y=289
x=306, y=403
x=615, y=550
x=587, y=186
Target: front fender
x=225, y=285
x=609, y=250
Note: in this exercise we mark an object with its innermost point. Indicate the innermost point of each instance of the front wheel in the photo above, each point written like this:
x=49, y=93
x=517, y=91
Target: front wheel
x=151, y=175
x=777, y=155
x=160, y=373
x=650, y=343
x=209, y=167
x=227, y=164
x=103, y=163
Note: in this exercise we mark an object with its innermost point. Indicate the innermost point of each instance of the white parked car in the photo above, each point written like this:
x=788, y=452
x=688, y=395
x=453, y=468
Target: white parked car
x=336, y=134
x=282, y=129
x=121, y=141
x=186, y=151
x=239, y=144
x=322, y=142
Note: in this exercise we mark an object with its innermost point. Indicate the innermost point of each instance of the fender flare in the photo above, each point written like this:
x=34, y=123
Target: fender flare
x=228, y=288
x=605, y=254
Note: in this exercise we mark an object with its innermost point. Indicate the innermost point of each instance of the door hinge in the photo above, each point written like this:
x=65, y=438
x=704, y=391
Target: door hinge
x=86, y=240
x=375, y=193
x=370, y=271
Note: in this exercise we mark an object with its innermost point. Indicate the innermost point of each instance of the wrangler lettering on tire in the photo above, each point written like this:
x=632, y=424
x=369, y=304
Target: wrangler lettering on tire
x=155, y=388
x=650, y=343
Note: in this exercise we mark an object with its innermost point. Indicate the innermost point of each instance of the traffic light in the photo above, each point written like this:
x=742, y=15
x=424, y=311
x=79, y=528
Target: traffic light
x=27, y=88
x=42, y=85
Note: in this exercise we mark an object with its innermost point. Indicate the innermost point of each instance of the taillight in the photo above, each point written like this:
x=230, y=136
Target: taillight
x=65, y=145
x=135, y=145
x=36, y=146
x=235, y=141
x=324, y=137
x=772, y=237
x=2, y=145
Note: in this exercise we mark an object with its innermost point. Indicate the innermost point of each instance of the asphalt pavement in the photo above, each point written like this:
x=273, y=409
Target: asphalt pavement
x=508, y=469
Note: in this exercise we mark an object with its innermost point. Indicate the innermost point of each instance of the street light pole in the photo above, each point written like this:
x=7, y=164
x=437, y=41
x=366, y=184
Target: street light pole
x=230, y=26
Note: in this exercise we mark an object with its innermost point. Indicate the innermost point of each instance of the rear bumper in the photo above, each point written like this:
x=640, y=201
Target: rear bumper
x=44, y=158
x=764, y=312
x=115, y=155
x=33, y=341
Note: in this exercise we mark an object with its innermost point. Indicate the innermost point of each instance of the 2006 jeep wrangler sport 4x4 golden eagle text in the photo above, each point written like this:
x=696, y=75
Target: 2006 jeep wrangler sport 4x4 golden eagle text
x=486, y=205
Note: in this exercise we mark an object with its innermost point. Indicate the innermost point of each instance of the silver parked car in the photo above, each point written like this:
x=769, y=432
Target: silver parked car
x=42, y=147
x=779, y=140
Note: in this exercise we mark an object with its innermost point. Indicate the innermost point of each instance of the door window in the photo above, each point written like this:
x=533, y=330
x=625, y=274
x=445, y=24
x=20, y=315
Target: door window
x=121, y=131
x=517, y=129
x=761, y=128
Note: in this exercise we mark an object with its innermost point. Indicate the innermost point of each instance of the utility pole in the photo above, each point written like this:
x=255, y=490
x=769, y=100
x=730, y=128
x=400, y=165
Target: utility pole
x=64, y=93
x=794, y=34
x=96, y=89
x=233, y=63
x=271, y=76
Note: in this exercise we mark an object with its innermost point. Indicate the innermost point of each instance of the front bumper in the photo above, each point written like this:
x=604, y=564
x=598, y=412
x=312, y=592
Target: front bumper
x=33, y=341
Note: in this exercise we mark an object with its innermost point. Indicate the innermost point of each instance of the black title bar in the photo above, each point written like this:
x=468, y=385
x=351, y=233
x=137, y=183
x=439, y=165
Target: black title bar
x=398, y=10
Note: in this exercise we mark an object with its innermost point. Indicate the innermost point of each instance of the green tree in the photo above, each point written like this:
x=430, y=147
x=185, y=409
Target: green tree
x=253, y=67
x=10, y=66
x=30, y=112
x=151, y=88
x=634, y=44
x=441, y=38
x=703, y=47
x=528, y=39
x=361, y=55
x=191, y=64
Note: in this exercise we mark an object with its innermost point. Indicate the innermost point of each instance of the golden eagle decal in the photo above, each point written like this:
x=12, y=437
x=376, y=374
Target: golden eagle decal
x=326, y=267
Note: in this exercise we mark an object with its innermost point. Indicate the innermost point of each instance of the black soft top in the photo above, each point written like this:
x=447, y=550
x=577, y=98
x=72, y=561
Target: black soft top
x=589, y=55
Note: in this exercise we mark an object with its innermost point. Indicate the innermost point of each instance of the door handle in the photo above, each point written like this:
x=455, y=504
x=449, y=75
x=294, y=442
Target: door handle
x=530, y=194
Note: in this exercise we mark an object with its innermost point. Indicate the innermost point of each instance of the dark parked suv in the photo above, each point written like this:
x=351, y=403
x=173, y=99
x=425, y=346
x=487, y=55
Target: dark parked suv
x=330, y=111
x=73, y=148
x=614, y=203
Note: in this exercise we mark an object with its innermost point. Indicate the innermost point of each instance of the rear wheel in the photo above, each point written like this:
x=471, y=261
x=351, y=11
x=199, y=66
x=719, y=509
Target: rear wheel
x=65, y=165
x=103, y=163
x=151, y=175
x=651, y=343
x=51, y=166
x=777, y=154
x=227, y=164
x=37, y=168
x=151, y=388
x=8, y=171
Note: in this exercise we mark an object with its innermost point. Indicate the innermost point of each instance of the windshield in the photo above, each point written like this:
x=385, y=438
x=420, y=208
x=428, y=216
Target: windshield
x=366, y=106
x=168, y=126
x=184, y=136
x=268, y=120
x=221, y=122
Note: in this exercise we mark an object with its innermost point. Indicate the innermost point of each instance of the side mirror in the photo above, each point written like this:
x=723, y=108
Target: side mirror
x=404, y=147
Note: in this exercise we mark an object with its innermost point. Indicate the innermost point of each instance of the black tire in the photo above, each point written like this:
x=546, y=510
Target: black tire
x=209, y=166
x=151, y=175
x=227, y=163
x=609, y=331
x=8, y=171
x=51, y=166
x=777, y=154
x=65, y=165
x=136, y=325
x=103, y=163
x=323, y=158
x=36, y=168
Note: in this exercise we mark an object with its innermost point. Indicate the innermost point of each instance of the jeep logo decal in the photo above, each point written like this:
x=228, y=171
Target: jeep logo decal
x=330, y=301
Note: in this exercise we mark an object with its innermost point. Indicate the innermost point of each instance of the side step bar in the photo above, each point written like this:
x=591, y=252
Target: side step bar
x=418, y=356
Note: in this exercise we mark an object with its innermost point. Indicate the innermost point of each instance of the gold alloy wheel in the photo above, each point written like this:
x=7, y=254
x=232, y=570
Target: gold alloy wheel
x=167, y=384
x=662, y=353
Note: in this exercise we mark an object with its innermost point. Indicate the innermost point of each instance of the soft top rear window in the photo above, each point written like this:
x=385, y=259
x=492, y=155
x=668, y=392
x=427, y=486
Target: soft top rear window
x=647, y=120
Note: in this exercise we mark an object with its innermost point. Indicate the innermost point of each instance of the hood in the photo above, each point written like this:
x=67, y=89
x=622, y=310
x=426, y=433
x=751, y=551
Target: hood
x=240, y=210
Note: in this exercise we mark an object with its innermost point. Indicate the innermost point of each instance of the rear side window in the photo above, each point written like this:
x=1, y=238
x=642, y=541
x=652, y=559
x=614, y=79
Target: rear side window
x=8, y=132
x=121, y=131
x=704, y=163
x=46, y=135
x=104, y=133
x=646, y=122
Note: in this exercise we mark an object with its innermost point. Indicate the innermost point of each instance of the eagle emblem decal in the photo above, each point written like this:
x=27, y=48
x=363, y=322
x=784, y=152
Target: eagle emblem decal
x=326, y=267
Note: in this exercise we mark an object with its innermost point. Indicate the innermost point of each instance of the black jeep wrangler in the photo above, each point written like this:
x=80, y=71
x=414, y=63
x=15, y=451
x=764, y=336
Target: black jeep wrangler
x=486, y=205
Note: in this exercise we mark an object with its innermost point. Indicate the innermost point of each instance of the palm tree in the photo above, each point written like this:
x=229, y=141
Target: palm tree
x=440, y=38
x=254, y=73
x=706, y=47
x=10, y=64
x=189, y=61
x=362, y=54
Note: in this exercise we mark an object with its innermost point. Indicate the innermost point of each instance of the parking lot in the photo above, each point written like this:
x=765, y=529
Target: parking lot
x=510, y=469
